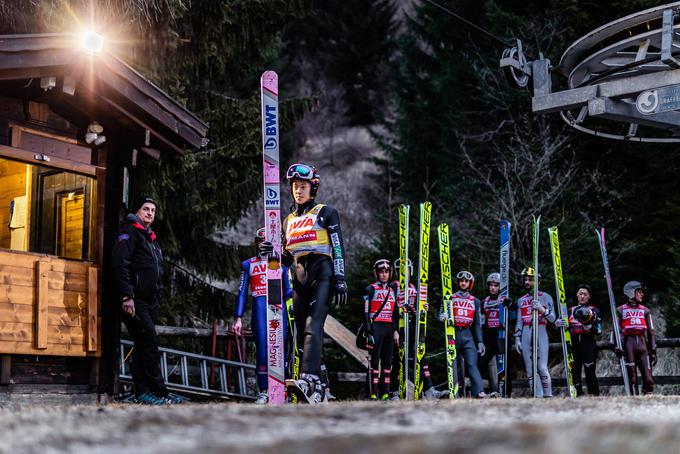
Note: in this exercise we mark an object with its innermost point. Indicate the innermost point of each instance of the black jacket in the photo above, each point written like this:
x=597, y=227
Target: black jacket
x=137, y=262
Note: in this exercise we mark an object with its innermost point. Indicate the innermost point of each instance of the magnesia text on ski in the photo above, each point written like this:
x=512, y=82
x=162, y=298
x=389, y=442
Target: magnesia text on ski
x=403, y=288
x=503, y=334
x=447, y=301
x=567, y=348
x=421, y=317
x=272, y=222
x=612, y=305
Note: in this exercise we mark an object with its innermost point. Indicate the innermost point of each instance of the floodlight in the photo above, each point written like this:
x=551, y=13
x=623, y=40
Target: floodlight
x=92, y=42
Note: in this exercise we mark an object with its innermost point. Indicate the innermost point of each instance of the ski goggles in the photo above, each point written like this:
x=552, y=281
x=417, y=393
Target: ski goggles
x=301, y=171
x=382, y=265
x=260, y=234
x=465, y=275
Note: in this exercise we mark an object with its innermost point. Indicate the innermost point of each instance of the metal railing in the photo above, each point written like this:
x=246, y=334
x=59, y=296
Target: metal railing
x=196, y=374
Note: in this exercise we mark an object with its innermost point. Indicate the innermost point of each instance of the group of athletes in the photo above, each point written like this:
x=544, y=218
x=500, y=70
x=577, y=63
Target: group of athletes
x=313, y=255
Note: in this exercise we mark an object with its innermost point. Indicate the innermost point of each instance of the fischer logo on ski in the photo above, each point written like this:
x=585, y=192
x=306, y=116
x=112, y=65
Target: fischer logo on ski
x=447, y=296
x=404, y=289
x=421, y=314
x=567, y=347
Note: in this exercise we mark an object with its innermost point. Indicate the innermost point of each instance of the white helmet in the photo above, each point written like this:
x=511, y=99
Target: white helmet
x=494, y=277
x=630, y=287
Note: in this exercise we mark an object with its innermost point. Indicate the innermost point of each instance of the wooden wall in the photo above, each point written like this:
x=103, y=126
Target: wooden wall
x=48, y=306
x=13, y=184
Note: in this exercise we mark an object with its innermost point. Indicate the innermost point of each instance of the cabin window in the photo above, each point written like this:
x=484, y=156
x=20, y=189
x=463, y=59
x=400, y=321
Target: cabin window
x=46, y=210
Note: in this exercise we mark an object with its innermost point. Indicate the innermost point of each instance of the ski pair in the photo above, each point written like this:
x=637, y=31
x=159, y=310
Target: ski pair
x=421, y=301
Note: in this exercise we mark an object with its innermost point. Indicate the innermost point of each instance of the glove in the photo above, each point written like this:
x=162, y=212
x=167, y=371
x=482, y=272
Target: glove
x=340, y=291
x=518, y=345
x=560, y=323
x=506, y=301
x=265, y=248
x=481, y=349
x=653, y=358
x=370, y=340
x=618, y=352
x=538, y=306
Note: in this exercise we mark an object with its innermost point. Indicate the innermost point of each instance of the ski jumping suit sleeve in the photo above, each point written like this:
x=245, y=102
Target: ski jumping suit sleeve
x=368, y=296
x=314, y=247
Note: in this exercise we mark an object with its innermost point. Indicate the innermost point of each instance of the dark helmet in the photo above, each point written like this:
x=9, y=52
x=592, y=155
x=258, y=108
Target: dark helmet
x=307, y=173
x=381, y=264
x=585, y=287
x=584, y=315
x=466, y=275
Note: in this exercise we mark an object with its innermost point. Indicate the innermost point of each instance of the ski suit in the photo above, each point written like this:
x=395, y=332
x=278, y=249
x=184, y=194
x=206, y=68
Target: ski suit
x=467, y=320
x=137, y=268
x=381, y=327
x=492, y=324
x=639, y=341
x=253, y=283
x=313, y=247
x=585, y=350
x=523, y=329
x=412, y=322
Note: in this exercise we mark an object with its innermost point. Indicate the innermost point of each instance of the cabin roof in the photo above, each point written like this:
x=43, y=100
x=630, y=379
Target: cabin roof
x=102, y=85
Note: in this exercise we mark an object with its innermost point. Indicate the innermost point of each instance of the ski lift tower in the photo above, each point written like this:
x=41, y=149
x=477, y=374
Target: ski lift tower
x=627, y=71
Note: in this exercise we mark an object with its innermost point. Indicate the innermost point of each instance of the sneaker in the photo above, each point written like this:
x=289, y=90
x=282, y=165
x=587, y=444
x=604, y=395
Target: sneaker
x=329, y=396
x=395, y=396
x=149, y=398
x=431, y=393
x=174, y=399
x=482, y=395
x=262, y=398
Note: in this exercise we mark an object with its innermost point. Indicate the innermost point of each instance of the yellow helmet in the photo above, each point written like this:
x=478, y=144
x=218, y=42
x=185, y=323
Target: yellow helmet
x=530, y=271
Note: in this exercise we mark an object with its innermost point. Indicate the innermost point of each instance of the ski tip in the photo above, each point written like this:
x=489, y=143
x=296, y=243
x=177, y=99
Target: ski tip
x=270, y=81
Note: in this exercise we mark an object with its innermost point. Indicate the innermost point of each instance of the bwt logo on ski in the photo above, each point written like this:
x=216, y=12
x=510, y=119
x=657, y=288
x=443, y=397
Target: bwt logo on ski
x=270, y=130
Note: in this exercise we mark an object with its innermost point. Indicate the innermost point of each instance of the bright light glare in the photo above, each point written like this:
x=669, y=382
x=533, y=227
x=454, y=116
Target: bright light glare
x=92, y=42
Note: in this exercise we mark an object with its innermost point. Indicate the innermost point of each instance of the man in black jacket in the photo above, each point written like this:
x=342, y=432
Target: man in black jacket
x=137, y=267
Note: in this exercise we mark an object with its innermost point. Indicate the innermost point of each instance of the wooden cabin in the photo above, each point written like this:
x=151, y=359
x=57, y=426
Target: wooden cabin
x=61, y=199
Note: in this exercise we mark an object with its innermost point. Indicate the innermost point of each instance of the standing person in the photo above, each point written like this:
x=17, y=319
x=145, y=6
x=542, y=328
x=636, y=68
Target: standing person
x=491, y=325
x=467, y=320
x=639, y=339
x=313, y=247
x=381, y=321
x=137, y=268
x=253, y=283
x=523, y=328
x=585, y=323
x=410, y=307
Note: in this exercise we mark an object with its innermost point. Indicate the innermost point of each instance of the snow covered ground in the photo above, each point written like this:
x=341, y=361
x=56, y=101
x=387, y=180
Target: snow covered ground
x=590, y=425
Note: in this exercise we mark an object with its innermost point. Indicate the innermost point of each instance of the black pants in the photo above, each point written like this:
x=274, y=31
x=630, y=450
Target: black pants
x=396, y=361
x=585, y=357
x=311, y=297
x=146, y=367
x=381, y=358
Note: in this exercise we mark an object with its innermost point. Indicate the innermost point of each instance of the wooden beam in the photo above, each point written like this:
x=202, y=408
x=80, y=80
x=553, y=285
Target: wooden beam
x=153, y=152
x=139, y=122
x=5, y=370
x=41, y=303
x=92, y=303
x=59, y=163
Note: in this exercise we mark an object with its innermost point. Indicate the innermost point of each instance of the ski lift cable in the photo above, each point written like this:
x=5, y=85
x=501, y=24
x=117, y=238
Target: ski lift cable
x=467, y=22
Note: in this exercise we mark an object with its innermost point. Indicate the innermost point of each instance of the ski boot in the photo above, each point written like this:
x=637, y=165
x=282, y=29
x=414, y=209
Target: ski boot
x=385, y=397
x=373, y=397
x=308, y=389
x=262, y=398
x=431, y=393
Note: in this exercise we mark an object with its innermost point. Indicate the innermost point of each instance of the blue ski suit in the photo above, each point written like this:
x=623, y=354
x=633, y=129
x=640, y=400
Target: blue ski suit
x=254, y=284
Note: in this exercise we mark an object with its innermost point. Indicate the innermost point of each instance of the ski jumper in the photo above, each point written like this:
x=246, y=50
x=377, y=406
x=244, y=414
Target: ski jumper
x=467, y=320
x=381, y=325
x=313, y=247
x=491, y=325
x=585, y=350
x=639, y=341
x=253, y=283
x=412, y=322
x=523, y=329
